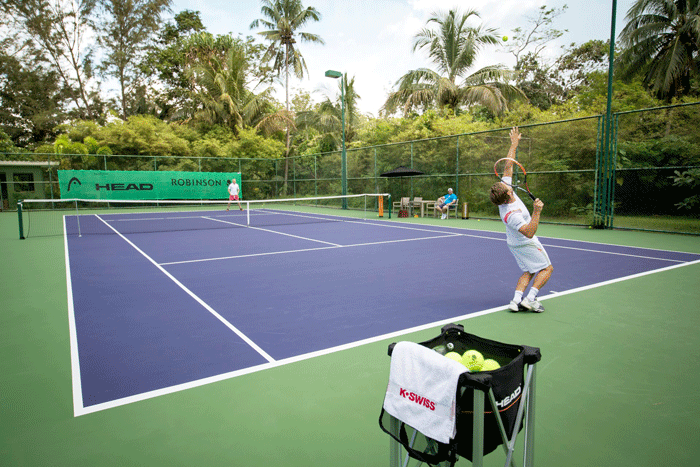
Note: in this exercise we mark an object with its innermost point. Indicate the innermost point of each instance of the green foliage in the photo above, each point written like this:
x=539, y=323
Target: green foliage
x=249, y=144
x=56, y=32
x=64, y=145
x=453, y=47
x=627, y=95
x=661, y=43
x=142, y=134
x=168, y=61
x=6, y=144
x=688, y=179
x=324, y=122
x=125, y=32
x=32, y=101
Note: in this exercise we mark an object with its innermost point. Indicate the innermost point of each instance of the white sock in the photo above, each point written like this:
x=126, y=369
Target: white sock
x=518, y=297
x=533, y=293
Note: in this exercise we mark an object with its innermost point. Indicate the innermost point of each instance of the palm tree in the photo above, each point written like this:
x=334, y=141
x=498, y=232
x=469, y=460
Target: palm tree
x=220, y=72
x=327, y=118
x=662, y=42
x=284, y=18
x=453, y=47
x=220, y=87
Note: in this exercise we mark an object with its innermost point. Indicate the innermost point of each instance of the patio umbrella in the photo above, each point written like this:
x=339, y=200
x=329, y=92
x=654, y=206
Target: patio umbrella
x=402, y=172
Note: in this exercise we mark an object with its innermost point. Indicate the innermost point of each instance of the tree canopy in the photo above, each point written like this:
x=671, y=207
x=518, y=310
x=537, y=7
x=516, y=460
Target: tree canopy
x=453, y=47
x=211, y=91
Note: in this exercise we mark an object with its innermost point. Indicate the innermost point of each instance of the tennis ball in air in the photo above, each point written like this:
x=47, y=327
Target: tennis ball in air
x=490, y=364
x=505, y=38
x=473, y=360
x=454, y=356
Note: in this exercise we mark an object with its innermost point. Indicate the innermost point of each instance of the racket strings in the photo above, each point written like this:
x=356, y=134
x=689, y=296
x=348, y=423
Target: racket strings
x=518, y=178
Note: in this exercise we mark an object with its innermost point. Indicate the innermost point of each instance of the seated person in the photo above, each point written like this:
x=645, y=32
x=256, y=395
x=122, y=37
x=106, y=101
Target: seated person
x=444, y=203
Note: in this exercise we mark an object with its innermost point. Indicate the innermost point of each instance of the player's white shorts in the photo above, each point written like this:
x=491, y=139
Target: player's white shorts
x=531, y=256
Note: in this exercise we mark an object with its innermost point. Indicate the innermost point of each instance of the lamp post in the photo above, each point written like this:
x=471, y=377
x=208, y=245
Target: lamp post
x=343, y=159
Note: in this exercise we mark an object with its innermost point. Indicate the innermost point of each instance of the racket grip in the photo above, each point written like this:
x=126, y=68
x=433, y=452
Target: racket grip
x=531, y=196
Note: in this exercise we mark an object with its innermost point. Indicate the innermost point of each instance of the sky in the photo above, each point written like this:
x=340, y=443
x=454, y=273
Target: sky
x=372, y=40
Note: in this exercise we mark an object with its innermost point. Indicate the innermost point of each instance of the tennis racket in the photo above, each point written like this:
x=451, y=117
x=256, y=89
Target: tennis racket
x=519, y=179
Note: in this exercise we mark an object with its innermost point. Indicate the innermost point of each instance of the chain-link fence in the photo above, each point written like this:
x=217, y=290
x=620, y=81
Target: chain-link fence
x=654, y=170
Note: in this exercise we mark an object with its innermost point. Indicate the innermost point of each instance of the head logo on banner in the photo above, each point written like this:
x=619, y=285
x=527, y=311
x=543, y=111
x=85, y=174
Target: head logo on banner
x=112, y=184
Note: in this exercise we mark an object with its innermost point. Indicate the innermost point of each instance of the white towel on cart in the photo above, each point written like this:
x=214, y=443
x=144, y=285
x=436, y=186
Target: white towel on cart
x=422, y=390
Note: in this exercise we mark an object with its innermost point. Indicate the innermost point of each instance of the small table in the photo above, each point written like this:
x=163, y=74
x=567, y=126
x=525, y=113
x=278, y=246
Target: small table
x=426, y=205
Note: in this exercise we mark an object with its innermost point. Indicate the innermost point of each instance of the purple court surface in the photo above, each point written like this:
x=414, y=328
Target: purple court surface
x=161, y=311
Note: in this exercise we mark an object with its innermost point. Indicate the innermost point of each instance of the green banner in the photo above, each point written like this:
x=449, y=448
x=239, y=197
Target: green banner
x=112, y=184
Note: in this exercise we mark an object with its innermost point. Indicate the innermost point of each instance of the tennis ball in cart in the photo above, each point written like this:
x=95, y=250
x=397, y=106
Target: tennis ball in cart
x=441, y=349
x=454, y=356
x=473, y=360
x=490, y=364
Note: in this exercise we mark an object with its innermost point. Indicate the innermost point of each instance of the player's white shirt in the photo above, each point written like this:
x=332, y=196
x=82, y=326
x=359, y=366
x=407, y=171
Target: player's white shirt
x=233, y=189
x=515, y=215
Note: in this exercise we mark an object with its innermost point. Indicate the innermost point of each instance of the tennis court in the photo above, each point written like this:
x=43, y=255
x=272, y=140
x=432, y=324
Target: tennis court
x=181, y=344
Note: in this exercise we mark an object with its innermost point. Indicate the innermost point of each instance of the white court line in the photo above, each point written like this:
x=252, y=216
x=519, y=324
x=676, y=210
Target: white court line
x=614, y=253
x=250, y=255
x=77, y=390
x=404, y=240
x=305, y=249
x=192, y=294
x=619, y=279
x=590, y=250
x=72, y=330
x=390, y=223
x=339, y=348
x=621, y=246
x=446, y=235
x=274, y=212
x=272, y=231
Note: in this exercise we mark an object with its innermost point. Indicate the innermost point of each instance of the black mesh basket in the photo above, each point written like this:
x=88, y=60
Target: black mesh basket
x=506, y=382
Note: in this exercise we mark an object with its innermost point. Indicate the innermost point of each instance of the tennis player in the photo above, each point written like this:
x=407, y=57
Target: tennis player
x=233, y=190
x=520, y=234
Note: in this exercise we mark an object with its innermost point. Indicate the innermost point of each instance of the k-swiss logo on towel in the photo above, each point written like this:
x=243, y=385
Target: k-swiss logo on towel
x=413, y=397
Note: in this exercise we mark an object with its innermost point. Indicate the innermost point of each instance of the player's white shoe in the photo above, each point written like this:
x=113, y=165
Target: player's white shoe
x=532, y=305
x=444, y=216
x=515, y=307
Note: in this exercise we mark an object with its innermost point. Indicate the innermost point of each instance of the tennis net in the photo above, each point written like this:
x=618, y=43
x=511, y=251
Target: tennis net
x=47, y=217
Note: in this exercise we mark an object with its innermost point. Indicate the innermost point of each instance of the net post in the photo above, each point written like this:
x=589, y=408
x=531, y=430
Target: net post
x=247, y=212
x=77, y=218
x=19, y=218
x=389, y=204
